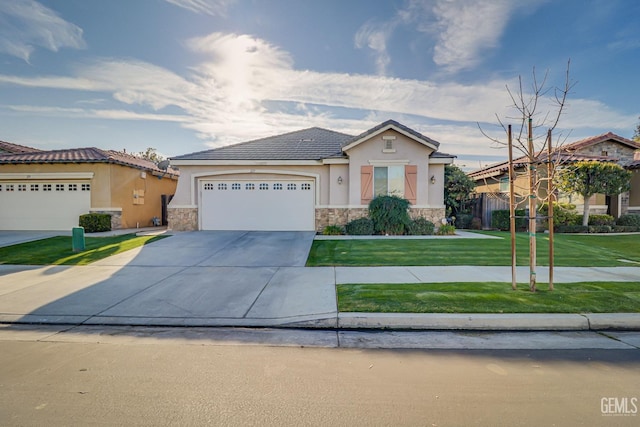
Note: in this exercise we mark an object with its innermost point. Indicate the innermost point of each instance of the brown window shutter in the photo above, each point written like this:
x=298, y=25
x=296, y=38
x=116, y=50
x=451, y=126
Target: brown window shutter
x=366, y=184
x=410, y=183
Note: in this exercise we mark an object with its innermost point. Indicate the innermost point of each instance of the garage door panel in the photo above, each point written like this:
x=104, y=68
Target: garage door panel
x=43, y=206
x=257, y=205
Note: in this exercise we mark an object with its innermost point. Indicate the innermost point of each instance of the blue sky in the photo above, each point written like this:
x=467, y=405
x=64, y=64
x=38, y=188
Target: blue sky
x=188, y=75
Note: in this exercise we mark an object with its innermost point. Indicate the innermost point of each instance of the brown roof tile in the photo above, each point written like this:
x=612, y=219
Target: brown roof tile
x=83, y=155
x=10, y=148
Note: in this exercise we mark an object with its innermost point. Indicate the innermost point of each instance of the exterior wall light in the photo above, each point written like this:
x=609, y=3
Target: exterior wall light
x=339, y=180
x=433, y=179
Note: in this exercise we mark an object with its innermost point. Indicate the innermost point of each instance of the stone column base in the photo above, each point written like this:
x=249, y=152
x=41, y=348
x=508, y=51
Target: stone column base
x=341, y=216
x=182, y=219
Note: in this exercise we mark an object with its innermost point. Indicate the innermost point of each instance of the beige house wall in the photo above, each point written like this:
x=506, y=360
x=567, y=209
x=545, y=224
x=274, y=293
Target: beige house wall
x=112, y=189
x=406, y=151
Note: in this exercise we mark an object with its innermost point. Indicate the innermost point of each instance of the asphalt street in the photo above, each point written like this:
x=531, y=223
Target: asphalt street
x=193, y=377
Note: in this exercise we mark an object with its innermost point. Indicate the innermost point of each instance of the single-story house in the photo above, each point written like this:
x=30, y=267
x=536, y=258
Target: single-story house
x=308, y=179
x=492, y=182
x=49, y=190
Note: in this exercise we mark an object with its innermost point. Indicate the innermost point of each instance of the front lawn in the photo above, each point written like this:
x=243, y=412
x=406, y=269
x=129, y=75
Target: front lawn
x=570, y=251
x=57, y=250
x=590, y=297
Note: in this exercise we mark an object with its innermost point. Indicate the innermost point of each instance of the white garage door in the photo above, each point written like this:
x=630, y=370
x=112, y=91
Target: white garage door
x=53, y=205
x=277, y=205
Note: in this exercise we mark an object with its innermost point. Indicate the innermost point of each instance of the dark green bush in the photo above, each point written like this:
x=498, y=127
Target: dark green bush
x=625, y=229
x=571, y=229
x=563, y=214
x=95, y=222
x=420, y=227
x=598, y=220
x=476, y=224
x=446, y=230
x=500, y=220
x=632, y=220
x=333, y=230
x=463, y=221
x=360, y=227
x=390, y=214
x=600, y=229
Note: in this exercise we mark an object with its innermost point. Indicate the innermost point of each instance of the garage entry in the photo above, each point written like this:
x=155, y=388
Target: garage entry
x=43, y=205
x=274, y=205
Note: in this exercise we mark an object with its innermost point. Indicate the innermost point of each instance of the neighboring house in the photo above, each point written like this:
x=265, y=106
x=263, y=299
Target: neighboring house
x=49, y=190
x=492, y=182
x=308, y=179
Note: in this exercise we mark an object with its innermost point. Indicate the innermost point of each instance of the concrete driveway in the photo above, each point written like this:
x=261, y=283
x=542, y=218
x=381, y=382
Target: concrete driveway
x=222, y=249
x=190, y=278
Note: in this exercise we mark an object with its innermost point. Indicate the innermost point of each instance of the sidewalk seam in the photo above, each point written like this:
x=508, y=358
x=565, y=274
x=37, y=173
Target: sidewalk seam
x=244, y=316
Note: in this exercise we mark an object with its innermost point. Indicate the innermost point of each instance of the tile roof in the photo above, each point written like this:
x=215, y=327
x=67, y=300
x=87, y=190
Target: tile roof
x=566, y=153
x=406, y=129
x=83, y=155
x=600, y=138
x=9, y=148
x=308, y=144
x=502, y=167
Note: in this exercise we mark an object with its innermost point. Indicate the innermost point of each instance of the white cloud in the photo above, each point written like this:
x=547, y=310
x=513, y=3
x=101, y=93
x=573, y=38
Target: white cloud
x=206, y=7
x=247, y=88
x=95, y=113
x=467, y=28
x=26, y=24
x=463, y=30
x=375, y=36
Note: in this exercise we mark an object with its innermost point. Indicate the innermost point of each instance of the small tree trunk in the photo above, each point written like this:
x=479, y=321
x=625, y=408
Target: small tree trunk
x=585, y=215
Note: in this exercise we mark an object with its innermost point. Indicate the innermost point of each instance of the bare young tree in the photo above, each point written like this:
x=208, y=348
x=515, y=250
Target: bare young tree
x=538, y=111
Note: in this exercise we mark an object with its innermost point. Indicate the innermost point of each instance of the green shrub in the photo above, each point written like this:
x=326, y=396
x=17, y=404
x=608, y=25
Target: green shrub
x=571, y=229
x=632, y=220
x=446, y=230
x=598, y=220
x=625, y=229
x=95, y=222
x=563, y=214
x=390, y=214
x=360, y=227
x=476, y=224
x=420, y=227
x=600, y=229
x=500, y=220
x=463, y=221
x=333, y=230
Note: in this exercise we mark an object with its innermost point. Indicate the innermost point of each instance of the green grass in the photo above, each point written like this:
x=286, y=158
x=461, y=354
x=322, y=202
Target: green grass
x=57, y=250
x=588, y=297
x=570, y=251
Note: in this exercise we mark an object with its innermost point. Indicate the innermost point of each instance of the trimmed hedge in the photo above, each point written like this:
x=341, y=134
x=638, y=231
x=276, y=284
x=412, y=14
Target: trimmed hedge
x=599, y=220
x=95, y=222
x=571, y=229
x=632, y=220
x=500, y=220
x=626, y=228
x=359, y=227
x=420, y=227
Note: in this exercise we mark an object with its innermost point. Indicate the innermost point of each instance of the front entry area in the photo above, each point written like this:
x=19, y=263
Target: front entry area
x=264, y=205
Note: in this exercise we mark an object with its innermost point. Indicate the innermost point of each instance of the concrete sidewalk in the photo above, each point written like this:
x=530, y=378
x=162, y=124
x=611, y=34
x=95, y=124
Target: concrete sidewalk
x=206, y=295
x=258, y=279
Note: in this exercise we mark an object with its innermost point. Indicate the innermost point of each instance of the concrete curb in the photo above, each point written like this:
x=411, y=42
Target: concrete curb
x=373, y=321
x=440, y=321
